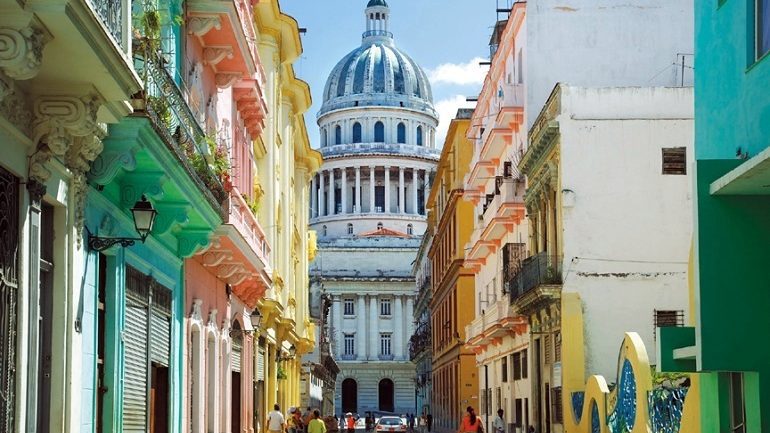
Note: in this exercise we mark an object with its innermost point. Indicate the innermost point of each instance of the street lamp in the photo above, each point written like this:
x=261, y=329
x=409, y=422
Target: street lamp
x=256, y=318
x=290, y=356
x=144, y=219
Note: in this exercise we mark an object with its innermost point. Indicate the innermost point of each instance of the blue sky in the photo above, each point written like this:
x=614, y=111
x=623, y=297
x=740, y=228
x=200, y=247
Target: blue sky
x=447, y=38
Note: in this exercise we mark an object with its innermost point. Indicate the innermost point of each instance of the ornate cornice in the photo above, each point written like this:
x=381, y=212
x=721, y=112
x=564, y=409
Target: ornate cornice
x=200, y=25
x=214, y=54
x=21, y=52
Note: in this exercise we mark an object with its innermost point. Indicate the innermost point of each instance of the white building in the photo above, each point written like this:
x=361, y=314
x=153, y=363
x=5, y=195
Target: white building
x=377, y=128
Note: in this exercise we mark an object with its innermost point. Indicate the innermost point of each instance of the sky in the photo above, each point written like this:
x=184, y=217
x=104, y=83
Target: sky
x=447, y=38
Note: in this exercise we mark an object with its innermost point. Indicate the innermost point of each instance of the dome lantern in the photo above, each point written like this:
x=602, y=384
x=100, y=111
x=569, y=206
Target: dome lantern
x=377, y=14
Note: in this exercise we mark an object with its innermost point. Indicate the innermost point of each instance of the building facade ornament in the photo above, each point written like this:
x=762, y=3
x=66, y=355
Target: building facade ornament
x=212, y=55
x=21, y=52
x=200, y=25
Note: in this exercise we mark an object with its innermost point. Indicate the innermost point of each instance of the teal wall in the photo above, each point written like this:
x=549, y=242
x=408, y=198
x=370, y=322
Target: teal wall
x=732, y=102
x=732, y=110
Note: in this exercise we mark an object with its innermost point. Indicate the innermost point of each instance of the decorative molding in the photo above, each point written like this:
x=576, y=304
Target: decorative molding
x=216, y=258
x=227, y=79
x=14, y=106
x=36, y=192
x=191, y=241
x=213, y=318
x=212, y=55
x=196, y=309
x=21, y=52
x=133, y=186
x=106, y=166
x=169, y=215
x=200, y=25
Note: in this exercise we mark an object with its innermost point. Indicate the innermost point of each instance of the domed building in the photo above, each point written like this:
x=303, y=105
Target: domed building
x=377, y=127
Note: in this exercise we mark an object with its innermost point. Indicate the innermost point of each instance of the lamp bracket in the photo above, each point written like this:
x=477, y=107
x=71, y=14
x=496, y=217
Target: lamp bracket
x=96, y=243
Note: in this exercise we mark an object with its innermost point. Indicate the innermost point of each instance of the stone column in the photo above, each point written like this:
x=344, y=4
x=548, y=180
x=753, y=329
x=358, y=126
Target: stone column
x=358, y=190
x=401, y=191
x=313, y=198
x=321, y=194
x=398, y=329
x=387, y=189
x=337, y=320
x=409, y=321
x=426, y=191
x=332, y=207
x=374, y=329
x=415, y=186
x=361, y=333
x=344, y=190
x=371, y=189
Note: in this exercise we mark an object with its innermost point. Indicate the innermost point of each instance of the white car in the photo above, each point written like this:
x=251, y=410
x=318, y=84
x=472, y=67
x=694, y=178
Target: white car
x=390, y=424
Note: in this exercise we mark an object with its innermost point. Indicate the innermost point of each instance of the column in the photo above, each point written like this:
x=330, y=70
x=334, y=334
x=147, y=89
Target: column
x=358, y=190
x=373, y=328
x=387, y=189
x=398, y=329
x=332, y=208
x=371, y=189
x=409, y=321
x=313, y=198
x=337, y=320
x=426, y=191
x=321, y=194
x=361, y=333
x=401, y=191
x=415, y=186
x=344, y=190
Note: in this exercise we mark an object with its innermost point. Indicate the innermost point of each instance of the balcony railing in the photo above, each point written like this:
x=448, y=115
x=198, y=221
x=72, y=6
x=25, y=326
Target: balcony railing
x=112, y=15
x=419, y=342
x=373, y=33
x=175, y=121
x=241, y=216
x=386, y=357
x=537, y=270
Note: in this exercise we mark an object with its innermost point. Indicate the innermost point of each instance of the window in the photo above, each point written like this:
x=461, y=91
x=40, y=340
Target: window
x=384, y=307
x=338, y=134
x=356, y=132
x=323, y=137
x=524, y=366
x=557, y=347
x=504, y=368
x=547, y=349
x=401, y=133
x=419, y=135
x=675, y=160
x=350, y=228
x=516, y=365
x=558, y=413
x=667, y=318
x=323, y=231
x=737, y=406
x=520, y=68
x=409, y=229
x=379, y=226
x=379, y=132
x=385, y=344
x=763, y=27
x=350, y=308
x=350, y=344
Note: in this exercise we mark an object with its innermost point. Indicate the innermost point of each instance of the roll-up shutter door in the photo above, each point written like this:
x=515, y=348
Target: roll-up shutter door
x=236, y=356
x=160, y=341
x=136, y=359
x=261, y=364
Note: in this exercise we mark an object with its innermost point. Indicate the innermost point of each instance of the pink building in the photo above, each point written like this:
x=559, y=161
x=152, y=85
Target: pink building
x=225, y=281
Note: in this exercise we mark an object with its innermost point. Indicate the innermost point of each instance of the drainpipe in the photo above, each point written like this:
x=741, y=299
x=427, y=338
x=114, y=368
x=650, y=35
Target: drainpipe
x=486, y=396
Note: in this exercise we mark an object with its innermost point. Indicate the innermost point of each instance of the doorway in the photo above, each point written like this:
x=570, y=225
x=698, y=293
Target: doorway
x=386, y=389
x=159, y=399
x=45, y=319
x=349, y=396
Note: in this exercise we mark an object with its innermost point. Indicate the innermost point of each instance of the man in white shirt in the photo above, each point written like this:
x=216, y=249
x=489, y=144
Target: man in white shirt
x=499, y=424
x=275, y=421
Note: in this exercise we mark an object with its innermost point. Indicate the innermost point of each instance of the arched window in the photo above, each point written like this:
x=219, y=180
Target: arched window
x=350, y=228
x=323, y=137
x=419, y=135
x=323, y=231
x=338, y=134
x=409, y=229
x=379, y=226
x=386, y=395
x=401, y=132
x=379, y=132
x=349, y=395
x=356, y=132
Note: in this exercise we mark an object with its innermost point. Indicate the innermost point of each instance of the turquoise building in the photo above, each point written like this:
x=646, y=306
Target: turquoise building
x=132, y=305
x=732, y=234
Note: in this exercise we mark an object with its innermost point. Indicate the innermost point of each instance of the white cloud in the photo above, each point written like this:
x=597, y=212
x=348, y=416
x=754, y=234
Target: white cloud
x=447, y=110
x=459, y=73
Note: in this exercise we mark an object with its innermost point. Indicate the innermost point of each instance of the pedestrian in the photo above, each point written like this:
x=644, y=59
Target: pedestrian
x=429, y=421
x=411, y=422
x=275, y=420
x=499, y=424
x=471, y=423
x=307, y=417
x=299, y=423
x=421, y=423
x=332, y=424
x=316, y=425
x=351, y=423
x=291, y=422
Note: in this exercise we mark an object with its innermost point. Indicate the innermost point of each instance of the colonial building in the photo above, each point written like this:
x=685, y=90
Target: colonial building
x=377, y=128
x=420, y=342
x=453, y=365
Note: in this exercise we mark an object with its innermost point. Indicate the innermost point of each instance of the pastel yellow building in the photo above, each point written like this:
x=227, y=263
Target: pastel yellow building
x=285, y=164
x=454, y=382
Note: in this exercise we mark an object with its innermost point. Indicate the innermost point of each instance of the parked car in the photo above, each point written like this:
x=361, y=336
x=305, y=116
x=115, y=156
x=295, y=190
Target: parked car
x=390, y=424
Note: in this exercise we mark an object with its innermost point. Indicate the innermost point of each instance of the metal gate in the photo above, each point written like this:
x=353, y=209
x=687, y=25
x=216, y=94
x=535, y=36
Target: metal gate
x=9, y=249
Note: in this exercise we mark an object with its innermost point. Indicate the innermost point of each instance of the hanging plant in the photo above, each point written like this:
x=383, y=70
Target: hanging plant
x=281, y=374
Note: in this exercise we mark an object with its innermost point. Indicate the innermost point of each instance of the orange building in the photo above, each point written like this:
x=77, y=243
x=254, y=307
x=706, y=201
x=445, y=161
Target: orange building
x=454, y=381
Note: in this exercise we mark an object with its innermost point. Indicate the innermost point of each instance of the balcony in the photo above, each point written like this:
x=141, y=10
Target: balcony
x=497, y=321
x=245, y=221
x=502, y=210
x=114, y=16
x=511, y=102
x=420, y=342
x=539, y=278
x=379, y=149
x=173, y=119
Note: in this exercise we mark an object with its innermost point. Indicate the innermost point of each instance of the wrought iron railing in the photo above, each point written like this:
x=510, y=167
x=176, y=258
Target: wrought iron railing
x=179, y=127
x=371, y=33
x=111, y=14
x=419, y=342
x=534, y=271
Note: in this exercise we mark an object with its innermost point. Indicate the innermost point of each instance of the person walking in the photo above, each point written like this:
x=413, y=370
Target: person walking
x=307, y=417
x=471, y=423
x=275, y=421
x=291, y=422
x=421, y=423
x=411, y=422
x=316, y=425
x=332, y=424
x=499, y=424
x=429, y=421
x=351, y=423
